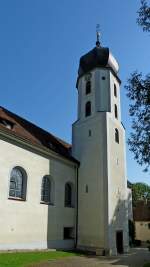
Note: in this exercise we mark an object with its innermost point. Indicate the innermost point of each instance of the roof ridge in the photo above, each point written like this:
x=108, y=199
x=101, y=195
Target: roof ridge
x=57, y=139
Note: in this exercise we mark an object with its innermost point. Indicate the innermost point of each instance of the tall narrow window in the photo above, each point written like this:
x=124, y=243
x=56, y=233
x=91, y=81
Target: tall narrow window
x=88, y=87
x=116, y=112
x=69, y=195
x=45, y=190
x=86, y=189
x=88, y=109
x=90, y=132
x=18, y=183
x=117, y=135
x=115, y=90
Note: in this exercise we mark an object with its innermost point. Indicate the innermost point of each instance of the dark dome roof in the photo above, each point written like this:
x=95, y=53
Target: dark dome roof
x=97, y=57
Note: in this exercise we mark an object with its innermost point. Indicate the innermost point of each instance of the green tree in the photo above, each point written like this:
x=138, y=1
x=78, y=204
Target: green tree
x=138, y=91
x=140, y=191
x=144, y=16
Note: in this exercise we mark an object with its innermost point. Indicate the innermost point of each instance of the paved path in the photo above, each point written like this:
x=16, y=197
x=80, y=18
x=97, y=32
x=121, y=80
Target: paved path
x=136, y=258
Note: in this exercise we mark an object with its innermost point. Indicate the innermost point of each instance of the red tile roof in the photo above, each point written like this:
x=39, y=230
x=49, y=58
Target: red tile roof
x=22, y=128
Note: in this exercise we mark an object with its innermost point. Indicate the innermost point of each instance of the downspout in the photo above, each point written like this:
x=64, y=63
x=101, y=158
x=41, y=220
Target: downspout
x=76, y=240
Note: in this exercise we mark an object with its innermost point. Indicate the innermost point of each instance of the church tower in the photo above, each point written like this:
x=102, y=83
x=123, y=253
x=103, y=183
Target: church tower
x=99, y=144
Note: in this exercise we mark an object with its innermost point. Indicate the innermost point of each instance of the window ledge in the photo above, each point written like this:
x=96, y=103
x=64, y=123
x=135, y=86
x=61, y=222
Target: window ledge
x=47, y=203
x=71, y=207
x=16, y=198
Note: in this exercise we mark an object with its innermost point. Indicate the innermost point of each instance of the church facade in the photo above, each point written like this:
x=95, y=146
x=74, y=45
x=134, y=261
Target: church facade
x=56, y=195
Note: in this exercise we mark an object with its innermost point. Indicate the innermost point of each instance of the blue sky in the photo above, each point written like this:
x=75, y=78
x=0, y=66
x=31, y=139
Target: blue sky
x=41, y=42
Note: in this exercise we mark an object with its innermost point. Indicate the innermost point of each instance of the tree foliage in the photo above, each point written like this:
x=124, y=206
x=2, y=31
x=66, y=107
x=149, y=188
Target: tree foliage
x=140, y=191
x=144, y=15
x=138, y=91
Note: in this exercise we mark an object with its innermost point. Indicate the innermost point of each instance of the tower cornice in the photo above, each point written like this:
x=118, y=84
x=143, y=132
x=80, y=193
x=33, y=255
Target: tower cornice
x=107, y=68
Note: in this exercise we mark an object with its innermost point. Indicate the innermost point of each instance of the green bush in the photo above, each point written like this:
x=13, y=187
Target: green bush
x=137, y=243
x=131, y=232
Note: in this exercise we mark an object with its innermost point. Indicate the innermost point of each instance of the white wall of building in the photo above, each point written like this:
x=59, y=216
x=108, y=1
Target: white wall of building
x=91, y=152
x=103, y=210
x=117, y=178
x=29, y=224
x=142, y=231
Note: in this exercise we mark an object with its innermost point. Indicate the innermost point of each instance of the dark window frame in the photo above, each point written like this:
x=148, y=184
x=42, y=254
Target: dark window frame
x=47, y=190
x=68, y=233
x=88, y=109
x=86, y=188
x=69, y=197
x=88, y=87
x=90, y=133
x=116, y=135
x=116, y=111
x=18, y=184
x=115, y=90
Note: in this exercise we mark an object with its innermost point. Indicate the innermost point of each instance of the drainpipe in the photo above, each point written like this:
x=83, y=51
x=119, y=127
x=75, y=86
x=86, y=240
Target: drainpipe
x=76, y=240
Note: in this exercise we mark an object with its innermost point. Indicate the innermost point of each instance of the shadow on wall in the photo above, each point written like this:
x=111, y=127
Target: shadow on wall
x=118, y=227
x=60, y=217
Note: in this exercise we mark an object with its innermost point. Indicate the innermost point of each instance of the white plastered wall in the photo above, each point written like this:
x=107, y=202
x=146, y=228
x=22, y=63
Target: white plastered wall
x=92, y=208
x=117, y=178
x=142, y=231
x=104, y=209
x=91, y=151
x=29, y=224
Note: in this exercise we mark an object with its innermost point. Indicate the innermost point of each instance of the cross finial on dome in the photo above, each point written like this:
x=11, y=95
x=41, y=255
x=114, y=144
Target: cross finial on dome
x=98, y=35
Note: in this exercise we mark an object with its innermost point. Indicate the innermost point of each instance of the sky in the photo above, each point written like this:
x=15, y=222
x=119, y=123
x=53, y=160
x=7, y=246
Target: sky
x=41, y=42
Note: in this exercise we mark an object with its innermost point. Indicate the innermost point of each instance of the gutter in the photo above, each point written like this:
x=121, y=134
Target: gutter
x=37, y=148
x=77, y=203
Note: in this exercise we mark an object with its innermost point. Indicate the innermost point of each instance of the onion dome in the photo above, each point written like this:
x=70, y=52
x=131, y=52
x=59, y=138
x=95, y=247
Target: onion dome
x=99, y=57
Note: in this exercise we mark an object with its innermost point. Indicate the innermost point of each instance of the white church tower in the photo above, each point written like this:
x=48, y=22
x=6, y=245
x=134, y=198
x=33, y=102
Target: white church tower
x=99, y=145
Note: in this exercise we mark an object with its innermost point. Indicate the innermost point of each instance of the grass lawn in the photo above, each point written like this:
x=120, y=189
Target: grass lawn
x=23, y=259
x=147, y=265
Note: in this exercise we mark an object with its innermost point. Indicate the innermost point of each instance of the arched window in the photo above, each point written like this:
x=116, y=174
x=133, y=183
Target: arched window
x=47, y=190
x=116, y=112
x=115, y=90
x=88, y=87
x=69, y=197
x=88, y=109
x=18, y=183
x=117, y=135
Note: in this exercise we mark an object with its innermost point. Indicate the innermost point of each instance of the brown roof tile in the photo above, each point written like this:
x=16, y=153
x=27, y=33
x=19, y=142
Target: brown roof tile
x=20, y=127
x=141, y=211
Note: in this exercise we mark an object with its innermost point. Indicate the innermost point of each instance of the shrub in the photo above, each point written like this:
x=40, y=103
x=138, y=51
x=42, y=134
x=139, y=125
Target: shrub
x=131, y=232
x=137, y=243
